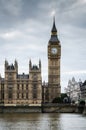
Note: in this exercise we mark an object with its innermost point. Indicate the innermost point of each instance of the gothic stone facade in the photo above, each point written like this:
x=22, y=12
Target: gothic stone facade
x=22, y=89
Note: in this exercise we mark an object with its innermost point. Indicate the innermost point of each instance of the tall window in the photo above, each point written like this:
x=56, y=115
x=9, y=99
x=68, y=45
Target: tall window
x=26, y=86
x=22, y=95
x=17, y=95
x=10, y=92
x=2, y=91
x=47, y=95
x=18, y=86
x=34, y=91
x=26, y=95
x=22, y=86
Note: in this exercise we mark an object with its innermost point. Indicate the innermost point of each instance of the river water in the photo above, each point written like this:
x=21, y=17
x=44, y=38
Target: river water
x=42, y=121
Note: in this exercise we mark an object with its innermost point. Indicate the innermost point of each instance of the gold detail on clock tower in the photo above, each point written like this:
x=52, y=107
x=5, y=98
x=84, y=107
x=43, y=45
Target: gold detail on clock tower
x=54, y=54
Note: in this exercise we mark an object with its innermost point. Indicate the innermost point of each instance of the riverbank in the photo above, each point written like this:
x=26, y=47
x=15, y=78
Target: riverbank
x=44, y=108
x=64, y=108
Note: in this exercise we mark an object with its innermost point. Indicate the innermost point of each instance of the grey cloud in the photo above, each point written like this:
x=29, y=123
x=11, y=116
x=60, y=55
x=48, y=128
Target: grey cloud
x=15, y=12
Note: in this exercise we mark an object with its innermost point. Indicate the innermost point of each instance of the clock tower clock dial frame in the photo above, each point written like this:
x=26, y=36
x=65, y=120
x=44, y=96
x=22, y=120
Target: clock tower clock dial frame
x=54, y=50
x=54, y=54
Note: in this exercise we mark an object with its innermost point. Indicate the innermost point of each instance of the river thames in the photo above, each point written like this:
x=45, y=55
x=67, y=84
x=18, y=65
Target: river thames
x=42, y=121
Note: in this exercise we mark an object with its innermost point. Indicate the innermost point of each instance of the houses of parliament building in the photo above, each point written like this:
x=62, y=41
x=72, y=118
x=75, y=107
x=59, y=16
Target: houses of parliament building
x=21, y=89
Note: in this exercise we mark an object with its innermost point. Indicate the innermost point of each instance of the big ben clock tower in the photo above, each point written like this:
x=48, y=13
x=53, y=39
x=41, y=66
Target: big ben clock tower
x=54, y=54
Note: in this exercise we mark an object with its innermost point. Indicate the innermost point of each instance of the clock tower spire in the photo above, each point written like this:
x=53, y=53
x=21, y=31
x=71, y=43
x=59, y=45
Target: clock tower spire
x=54, y=54
x=54, y=37
x=54, y=30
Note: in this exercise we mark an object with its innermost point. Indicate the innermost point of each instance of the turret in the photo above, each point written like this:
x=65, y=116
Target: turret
x=0, y=76
x=30, y=64
x=40, y=64
x=16, y=65
x=10, y=71
x=6, y=64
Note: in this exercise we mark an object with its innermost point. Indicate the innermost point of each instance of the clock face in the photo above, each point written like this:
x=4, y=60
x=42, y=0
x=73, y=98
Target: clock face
x=54, y=50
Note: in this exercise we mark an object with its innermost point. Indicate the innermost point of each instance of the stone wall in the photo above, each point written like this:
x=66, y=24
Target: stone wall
x=20, y=109
x=45, y=108
x=62, y=108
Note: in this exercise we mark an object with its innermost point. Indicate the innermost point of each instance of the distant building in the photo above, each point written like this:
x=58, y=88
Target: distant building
x=83, y=90
x=73, y=90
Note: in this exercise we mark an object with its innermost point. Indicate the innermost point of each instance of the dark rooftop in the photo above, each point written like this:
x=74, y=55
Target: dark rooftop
x=23, y=76
x=54, y=38
x=10, y=67
x=35, y=67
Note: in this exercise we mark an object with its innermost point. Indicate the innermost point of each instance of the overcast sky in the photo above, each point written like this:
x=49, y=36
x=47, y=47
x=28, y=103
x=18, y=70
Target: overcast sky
x=25, y=27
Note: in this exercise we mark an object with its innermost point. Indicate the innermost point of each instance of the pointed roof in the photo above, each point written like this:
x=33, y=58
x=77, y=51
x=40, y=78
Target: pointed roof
x=54, y=37
x=54, y=26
